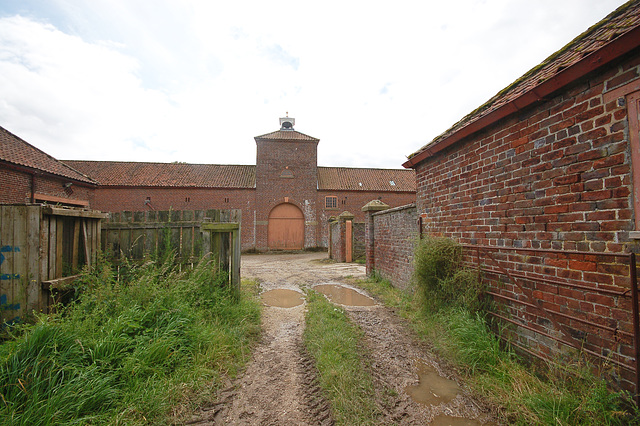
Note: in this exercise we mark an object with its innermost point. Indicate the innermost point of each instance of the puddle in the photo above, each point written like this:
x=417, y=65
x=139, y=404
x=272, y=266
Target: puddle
x=282, y=298
x=432, y=388
x=443, y=420
x=344, y=296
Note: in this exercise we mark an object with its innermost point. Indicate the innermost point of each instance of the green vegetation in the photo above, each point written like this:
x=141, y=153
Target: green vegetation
x=566, y=393
x=146, y=348
x=333, y=342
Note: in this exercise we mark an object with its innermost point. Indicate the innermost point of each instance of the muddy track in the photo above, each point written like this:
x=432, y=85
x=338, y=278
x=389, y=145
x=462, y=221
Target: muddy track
x=279, y=385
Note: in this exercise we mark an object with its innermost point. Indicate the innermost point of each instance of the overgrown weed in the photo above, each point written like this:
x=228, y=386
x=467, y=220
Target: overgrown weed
x=563, y=393
x=334, y=342
x=138, y=348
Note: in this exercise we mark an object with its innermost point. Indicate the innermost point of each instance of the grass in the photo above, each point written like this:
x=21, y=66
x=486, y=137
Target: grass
x=148, y=349
x=563, y=394
x=334, y=342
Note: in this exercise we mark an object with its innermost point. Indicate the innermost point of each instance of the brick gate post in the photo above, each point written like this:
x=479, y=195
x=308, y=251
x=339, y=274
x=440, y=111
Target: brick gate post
x=369, y=231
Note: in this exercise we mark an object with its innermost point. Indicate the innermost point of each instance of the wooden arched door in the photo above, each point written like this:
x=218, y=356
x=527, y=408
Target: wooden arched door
x=286, y=228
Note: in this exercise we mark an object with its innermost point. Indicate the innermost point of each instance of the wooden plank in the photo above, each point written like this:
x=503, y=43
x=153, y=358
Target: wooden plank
x=59, y=246
x=220, y=227
x=57, y=211
x=235, y=260
x=75, y=244
x=51, y=273
x=34, y=294
x=148, y=225
x=87, y=248
x=59, y=283
x=6, y=267
x=20, y=281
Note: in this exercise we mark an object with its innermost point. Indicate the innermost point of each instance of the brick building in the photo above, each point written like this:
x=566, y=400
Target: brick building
x=286, y=199
x=28, y=175
x=544, y=181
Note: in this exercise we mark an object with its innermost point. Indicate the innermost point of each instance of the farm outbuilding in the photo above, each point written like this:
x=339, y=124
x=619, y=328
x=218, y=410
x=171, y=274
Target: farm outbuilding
x=541, y=184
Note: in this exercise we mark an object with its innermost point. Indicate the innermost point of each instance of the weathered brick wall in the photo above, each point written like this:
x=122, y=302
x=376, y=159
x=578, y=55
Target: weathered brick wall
x=352, y=201
x=272, y=189
x=110, y=199
x=17, y=187
x=556, y=176
x=395, y=232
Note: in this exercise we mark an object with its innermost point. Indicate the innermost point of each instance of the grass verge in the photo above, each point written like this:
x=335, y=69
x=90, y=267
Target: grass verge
x=565, y=394
x=144, y=351
x=334, y=342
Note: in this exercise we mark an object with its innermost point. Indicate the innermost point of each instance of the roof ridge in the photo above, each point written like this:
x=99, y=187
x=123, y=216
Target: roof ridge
x=55, y=160
x=158, y=163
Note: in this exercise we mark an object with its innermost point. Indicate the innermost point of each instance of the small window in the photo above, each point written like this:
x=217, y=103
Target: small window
x=392, y=183
x=286, y=173
x=226, y=200
x=331, y=202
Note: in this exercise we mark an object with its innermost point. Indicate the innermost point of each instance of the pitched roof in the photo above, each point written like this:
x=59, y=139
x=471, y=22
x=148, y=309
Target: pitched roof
x=120, y=173
x=604, y=42
x=287, y=135
x=348, y=179
x=18, y=152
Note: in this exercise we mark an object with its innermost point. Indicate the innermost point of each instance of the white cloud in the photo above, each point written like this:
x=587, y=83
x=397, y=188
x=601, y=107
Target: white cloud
x=197, y=80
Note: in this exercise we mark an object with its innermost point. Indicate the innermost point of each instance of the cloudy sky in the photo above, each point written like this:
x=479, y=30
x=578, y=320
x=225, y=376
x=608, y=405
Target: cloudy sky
x=196, y=80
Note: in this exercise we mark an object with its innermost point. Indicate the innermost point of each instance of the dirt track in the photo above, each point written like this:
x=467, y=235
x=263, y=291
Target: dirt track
x=278, y=387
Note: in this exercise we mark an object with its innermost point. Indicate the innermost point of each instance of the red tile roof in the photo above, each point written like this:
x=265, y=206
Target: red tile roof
x=347, y=179
x=18, y=152
x=115, y=173
x=118, y=173
x=552, y=74
x=287, y=135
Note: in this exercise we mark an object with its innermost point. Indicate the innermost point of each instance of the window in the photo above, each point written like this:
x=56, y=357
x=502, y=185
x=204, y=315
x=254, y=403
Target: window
x=286, y=173
x=330, y=202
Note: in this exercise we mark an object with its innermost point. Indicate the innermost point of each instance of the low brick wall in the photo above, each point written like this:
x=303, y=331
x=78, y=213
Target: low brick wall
x=391, y=238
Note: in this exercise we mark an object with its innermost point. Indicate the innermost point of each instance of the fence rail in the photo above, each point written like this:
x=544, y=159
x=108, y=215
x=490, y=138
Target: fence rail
x=189, y=233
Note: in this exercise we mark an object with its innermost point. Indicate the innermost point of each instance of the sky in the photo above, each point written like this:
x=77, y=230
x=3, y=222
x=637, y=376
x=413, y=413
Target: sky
x=196, y=80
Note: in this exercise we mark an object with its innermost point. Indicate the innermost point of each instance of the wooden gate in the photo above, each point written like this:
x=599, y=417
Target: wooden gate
x=286, y=228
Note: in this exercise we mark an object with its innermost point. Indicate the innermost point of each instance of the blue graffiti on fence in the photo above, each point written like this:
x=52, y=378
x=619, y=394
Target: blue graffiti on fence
x=4, y=306
x=8, y=249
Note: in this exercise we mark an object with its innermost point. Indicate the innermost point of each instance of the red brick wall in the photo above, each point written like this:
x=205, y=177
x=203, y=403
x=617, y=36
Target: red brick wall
x=109, y=199
x=352, y=201
x=300, y=158
x=556, y=176
x=16, y=188
x=395, y=232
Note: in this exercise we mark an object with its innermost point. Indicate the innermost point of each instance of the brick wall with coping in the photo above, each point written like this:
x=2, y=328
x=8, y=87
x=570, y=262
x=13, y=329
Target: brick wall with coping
x=391, y=236
x=555, y=176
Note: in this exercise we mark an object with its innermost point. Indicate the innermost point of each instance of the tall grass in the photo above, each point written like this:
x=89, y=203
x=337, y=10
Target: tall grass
x=145, y=349
x=335, y=344
x=565, y=393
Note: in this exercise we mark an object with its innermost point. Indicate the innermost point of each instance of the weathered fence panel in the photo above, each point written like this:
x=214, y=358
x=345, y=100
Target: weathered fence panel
x=189, y=233
x=40, y=248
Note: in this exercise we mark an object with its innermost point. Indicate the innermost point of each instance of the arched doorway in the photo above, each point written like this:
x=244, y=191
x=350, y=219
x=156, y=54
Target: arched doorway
x=286, y=228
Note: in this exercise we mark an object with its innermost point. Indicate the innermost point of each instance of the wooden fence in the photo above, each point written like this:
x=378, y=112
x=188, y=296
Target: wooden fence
x=190, y=233
x=41, y=248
